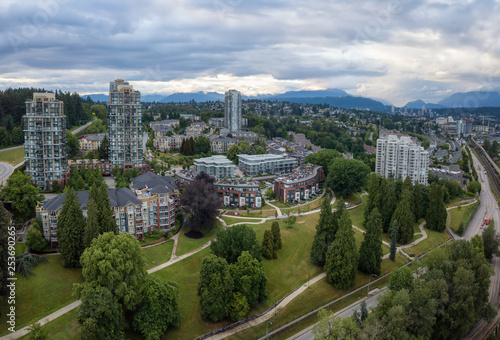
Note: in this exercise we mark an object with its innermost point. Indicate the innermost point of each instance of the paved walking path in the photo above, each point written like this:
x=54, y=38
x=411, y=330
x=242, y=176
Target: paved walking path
x=275, y=207
x=271, y=312
x=23, y=331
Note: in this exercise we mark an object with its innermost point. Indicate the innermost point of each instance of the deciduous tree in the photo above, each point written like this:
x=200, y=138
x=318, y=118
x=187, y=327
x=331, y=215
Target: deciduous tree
x=200, y=202
x=23, y=195
x=346, y=176
x=215, y=288
x=117, y=263
x=159, y=308
x=249, y=278
x=231, y=242
x=491, y=241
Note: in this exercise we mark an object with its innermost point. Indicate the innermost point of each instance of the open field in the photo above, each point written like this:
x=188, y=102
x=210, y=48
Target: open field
x=62, y=328
x=12, y=157
x=48, y=290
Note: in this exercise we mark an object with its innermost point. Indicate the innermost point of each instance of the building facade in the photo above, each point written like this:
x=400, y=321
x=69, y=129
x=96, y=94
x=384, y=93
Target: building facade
x=301, y=184
x=231, y=193
x=400, y=157
x=151, y=205
x=232, y=110
x=125, y=125
x=196, y=129
x=254, y=165
x=91, y=142
x=221, y=144
x=45, y=141
x=167, y=143
x=218, y=166
x=105, y=166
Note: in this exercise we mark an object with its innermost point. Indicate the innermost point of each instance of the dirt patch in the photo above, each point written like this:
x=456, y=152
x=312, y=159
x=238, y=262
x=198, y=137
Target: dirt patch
x=194, y=234
x=300, y=222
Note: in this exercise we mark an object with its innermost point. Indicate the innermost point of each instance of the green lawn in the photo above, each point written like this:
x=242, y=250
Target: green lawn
x=304, y=207
x=64, y=327
x=233, y=220
x=358, y=215
x=461, y=214
x=158, y=254
x=12, y=157
x=20, y=247
x=435, y=239
x=186, y=244
x=48, y=290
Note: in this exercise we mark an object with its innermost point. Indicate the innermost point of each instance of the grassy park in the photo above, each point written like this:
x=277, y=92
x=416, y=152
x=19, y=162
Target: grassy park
x=232, y=220
x=157, y=254
x=49, y=289
x=13, y=157
x=186, y=244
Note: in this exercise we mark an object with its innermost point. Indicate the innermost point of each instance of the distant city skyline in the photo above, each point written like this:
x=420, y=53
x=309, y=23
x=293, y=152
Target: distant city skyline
x=397, y=51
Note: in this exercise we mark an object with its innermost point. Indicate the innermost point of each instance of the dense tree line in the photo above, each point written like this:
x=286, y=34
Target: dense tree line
x=491, y=148
x=22, y=195
x=195, y=146
x=244, y=148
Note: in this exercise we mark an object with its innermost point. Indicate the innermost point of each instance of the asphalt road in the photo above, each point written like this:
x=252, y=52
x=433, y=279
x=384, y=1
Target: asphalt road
x=5, y=171
x=487, y=207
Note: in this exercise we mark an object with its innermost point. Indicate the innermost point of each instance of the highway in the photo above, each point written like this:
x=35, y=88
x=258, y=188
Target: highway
x=487, y=207
x=6, y=169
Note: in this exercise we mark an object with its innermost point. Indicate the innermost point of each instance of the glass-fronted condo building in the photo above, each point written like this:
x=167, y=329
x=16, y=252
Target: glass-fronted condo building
x=45, y=140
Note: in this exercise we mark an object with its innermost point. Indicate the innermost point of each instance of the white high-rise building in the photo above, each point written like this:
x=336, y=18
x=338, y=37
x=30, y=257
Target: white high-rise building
x=400, y=158
x=232, y=111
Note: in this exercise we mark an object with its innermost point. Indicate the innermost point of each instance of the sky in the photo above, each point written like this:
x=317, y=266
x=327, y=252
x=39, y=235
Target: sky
x=397, y=50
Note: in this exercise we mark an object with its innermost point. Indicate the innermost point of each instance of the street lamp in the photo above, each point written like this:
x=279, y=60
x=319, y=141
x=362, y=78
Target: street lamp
x=267, y=335
x=369, y=279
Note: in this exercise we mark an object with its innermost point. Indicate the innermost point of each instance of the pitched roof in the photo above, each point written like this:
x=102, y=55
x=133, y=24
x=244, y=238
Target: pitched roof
x=156, y=183
x=118, y=197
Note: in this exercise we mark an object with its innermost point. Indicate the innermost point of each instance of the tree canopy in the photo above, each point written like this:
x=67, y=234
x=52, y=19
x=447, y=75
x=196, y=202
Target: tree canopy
x=23, y=195
x=230, y=243
x=70, y=230
x=346, y=176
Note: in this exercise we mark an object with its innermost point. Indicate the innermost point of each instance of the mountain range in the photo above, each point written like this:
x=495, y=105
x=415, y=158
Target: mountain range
x=333, y=97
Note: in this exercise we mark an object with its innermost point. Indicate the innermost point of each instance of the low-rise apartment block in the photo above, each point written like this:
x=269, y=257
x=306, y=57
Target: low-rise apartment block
x=105, y=166
x=254, y=165
x=196, y=129
x=231, y=192
x=167, y=143
x=152, y=205
x=218, y=166
x=221, y=144
x=300, y=184
x=173, y=123
x=91, y=142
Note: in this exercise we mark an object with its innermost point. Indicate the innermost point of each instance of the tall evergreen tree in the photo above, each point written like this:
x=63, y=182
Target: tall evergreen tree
x=387, y=202
x=436, y=213
x=70, y=230
x=341, y=260
x=268, y=250
x=106, y=219
x=325, y=232
x=93, y=225
x=370, y=252
x=394, y=240
x=420, y=202
x=275, y=230
x=372, y=202
x=404, y=215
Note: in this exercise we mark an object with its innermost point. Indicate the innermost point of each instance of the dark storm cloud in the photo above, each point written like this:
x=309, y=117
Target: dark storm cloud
x=365, y=46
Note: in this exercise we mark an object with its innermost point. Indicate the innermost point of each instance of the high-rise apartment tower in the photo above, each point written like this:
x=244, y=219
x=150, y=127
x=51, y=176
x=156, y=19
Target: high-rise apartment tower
x=232, y=111
x=125, y=125
x=400, y=158
x=45, y=140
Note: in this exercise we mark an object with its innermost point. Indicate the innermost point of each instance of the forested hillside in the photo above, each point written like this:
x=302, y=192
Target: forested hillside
x=12, y=109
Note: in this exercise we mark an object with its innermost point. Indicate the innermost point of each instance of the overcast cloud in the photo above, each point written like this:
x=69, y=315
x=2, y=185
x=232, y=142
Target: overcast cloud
x=395, y=50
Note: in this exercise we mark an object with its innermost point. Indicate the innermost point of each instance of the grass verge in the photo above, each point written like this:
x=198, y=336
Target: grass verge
x=158, y=254
x=13, y=157
x=186, y=244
